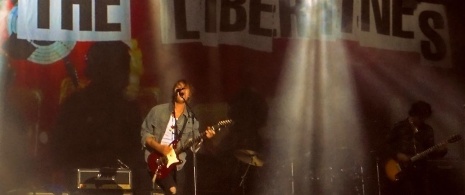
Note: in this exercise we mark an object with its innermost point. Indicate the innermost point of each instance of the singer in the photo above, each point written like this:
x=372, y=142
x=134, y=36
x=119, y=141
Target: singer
x=167, y=127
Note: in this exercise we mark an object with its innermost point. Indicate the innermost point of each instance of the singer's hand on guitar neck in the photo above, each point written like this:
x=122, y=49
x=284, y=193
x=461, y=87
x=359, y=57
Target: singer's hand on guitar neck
x=209, y=133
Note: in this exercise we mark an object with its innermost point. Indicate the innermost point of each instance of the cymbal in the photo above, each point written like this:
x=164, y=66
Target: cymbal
x=249, y=157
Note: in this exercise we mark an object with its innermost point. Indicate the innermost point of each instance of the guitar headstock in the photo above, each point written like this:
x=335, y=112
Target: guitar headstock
x=224, y=123
x=454, y=138
x=221, y=124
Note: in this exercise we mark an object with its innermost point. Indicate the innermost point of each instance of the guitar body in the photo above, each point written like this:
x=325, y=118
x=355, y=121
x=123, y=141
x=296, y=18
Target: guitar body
x=393, y=170
x=163, y=165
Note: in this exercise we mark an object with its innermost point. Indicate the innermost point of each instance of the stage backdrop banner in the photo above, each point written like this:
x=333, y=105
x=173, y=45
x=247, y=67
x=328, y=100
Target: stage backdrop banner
x=254, y=24
x=57, y=20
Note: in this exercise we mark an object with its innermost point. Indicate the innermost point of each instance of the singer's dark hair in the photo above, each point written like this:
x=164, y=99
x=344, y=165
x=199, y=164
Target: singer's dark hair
x=186, y=84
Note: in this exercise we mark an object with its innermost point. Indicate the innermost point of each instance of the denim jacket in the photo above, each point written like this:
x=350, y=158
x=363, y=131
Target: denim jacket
x=157, y=119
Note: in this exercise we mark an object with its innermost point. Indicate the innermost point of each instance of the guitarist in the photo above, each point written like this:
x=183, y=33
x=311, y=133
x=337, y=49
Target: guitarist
x=166, y=123
x=407, y=138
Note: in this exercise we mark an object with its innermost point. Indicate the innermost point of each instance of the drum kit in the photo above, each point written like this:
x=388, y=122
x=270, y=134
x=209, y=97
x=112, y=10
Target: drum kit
x=251, y=159
x=348, y=176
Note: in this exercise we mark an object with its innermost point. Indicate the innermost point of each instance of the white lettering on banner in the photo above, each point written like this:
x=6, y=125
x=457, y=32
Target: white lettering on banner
x=193, y=20
x=383, y=24
x=79, y=20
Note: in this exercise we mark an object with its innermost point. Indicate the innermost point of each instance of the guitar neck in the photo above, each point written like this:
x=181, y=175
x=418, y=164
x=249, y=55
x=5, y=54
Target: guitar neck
x=426, y=152
x=196, y=140
x=421, y=155
x=190, y=143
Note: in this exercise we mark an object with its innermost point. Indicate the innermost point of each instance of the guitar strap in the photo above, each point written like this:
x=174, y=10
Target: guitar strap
x=182, y=129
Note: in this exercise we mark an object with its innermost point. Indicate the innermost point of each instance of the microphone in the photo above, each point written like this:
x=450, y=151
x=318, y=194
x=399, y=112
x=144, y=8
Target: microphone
x=179, y=91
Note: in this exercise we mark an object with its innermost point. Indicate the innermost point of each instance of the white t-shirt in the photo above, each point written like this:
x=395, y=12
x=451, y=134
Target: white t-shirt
x=168, y=137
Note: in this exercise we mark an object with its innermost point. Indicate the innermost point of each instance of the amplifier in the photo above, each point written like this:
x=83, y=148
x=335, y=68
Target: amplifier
x=104, y=178
x=447, y=176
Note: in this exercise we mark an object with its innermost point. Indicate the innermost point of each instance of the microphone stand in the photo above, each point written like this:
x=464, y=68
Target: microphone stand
x=194, y=156
x=243, y=179
x=176, y=133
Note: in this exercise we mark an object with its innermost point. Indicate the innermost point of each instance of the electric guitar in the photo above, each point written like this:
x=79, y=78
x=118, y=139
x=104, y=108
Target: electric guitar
x=394, y=169
x=160, y=166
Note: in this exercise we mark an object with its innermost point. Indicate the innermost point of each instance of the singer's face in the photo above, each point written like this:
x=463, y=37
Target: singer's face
x=184, y=92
